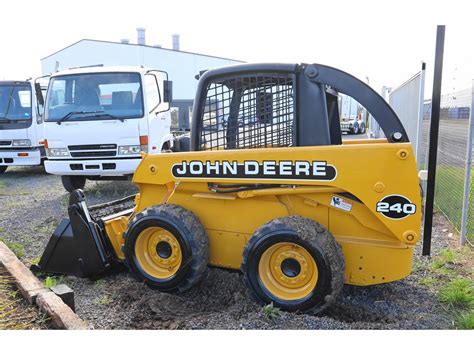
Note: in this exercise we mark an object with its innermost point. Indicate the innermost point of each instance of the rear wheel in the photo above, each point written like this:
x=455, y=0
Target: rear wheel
x=3, y=168
x=72, y=183
x=167, y=247
x=294, y=263
x=362, y=128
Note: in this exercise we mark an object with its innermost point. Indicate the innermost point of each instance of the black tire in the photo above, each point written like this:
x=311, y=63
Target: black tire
x=3, y=168
x=321, y=246
x=72, y=183
x=193, y=242
x=355, y=128
x=362, y=128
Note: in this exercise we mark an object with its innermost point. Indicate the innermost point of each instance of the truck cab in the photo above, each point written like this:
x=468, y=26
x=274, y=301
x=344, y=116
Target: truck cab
x=98, y=120
x=21, y=127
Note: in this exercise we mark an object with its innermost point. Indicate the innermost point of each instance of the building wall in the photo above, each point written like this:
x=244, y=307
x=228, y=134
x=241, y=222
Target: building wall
x=181, y=66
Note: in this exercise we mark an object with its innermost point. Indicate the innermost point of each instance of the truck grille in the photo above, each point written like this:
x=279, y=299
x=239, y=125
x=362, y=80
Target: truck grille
x=103, y=153
x=93, y=150
x=4, y=143
x=92, y=147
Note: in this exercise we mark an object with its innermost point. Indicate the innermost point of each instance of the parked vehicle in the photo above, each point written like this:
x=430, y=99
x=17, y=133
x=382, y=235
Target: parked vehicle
x=352, y=121
x=21, y=127
x=291, y=209
x=98, y=120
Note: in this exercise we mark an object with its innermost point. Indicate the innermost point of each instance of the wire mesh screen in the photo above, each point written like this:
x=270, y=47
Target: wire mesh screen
x=249, y=112
x=451, y=165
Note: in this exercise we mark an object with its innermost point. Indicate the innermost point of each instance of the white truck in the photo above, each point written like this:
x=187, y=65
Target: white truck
x=98, y=120
x=352, y=121
x=21, y=127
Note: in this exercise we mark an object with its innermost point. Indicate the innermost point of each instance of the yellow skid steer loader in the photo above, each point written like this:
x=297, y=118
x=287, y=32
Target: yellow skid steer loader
x=264, y=184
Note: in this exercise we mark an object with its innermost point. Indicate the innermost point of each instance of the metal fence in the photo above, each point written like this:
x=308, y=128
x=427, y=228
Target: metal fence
x=454, y=192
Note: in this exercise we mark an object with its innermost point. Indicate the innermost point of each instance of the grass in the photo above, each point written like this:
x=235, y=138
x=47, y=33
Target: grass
x=466, y=320
x=16, y=248
x=445, y=257
x=458, y=293
x=450, y=276
x=14, y=313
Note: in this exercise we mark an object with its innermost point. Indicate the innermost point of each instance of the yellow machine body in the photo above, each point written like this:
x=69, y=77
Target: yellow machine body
x=376, y=248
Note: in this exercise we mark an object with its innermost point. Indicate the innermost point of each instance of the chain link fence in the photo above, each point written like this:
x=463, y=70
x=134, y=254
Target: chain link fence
x=453, y=191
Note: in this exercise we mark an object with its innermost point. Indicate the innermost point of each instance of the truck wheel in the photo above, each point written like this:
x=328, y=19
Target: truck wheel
x=362, y=128
x=72, y=183
x=294, y=263
x=355, y=128
x=167, y=247
x=3, y=168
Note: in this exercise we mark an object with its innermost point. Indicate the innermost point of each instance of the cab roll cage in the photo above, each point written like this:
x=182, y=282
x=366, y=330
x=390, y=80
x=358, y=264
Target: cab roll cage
x=312, y=86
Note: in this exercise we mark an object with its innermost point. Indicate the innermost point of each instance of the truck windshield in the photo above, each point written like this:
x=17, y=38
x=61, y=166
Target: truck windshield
x=15, y=103
x=94, y=96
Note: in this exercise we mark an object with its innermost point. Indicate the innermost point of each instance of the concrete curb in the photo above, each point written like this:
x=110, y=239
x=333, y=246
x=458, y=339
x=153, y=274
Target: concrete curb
x=36, y=294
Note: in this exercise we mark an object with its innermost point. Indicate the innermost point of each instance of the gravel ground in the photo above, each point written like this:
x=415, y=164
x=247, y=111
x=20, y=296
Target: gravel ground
x=32, y=203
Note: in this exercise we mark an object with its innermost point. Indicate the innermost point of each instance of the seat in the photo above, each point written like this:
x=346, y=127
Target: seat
x=122, y=99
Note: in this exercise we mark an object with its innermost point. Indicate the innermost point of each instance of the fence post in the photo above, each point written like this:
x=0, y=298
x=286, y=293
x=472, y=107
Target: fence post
x=467, y=177
x=419, y=128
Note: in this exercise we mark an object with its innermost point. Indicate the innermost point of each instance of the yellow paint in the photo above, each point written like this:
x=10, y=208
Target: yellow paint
x=274, y=279
x=376, y=248
x=147, y=256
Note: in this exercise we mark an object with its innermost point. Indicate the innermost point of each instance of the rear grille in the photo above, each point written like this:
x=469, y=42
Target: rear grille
x=92, y=147
x=5, y=143
x=103, y=153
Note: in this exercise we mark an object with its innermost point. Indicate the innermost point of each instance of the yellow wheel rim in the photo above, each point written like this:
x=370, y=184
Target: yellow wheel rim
x=288, y=271
x=158, y=252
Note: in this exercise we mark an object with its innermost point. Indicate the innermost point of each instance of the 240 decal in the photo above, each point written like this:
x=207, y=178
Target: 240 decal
x=396, y=207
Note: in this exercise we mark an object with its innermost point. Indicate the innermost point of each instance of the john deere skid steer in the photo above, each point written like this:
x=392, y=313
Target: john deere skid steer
x=266, y=186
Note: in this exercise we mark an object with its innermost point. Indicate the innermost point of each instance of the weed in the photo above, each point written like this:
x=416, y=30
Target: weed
x=16, y=248
x=105, y=301
x=35, y=261
x=52, y=281
x=458, y=292
x=271, y=312
x=466, y=320
x=99, y=283
x=3, y=184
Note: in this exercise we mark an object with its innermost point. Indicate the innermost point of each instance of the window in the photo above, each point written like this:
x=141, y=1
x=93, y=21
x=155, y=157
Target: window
x=15, y=102
x=95, y=96
x=152, y=92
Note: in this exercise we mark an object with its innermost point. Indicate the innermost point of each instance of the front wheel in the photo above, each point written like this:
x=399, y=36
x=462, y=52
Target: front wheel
x=355, y=129
x=3, y=168
x=72, y=183
x=167, y=247
x=294, y=263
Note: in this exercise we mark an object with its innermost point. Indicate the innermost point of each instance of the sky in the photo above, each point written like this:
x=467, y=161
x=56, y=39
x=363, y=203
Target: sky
x=384, y=41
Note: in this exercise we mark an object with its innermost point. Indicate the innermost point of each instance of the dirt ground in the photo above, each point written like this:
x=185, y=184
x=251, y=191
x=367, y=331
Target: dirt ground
x=32, y=203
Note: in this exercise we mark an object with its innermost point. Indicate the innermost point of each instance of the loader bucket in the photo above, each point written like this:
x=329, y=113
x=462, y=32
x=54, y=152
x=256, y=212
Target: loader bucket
x=78, y=246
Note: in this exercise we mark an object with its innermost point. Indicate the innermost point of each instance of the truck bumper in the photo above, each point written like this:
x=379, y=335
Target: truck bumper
x=105, y=167
x=20, y=157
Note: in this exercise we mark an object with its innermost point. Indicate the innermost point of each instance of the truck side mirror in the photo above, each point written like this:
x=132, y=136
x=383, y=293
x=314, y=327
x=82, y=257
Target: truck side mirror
x=39, y=94
x=167, y=91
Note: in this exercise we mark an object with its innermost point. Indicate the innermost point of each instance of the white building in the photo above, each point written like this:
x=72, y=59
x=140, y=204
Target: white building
x=181, y=66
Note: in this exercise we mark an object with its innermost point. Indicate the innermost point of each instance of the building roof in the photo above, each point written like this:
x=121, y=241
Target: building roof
x=136, y=45
x=102, y=69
